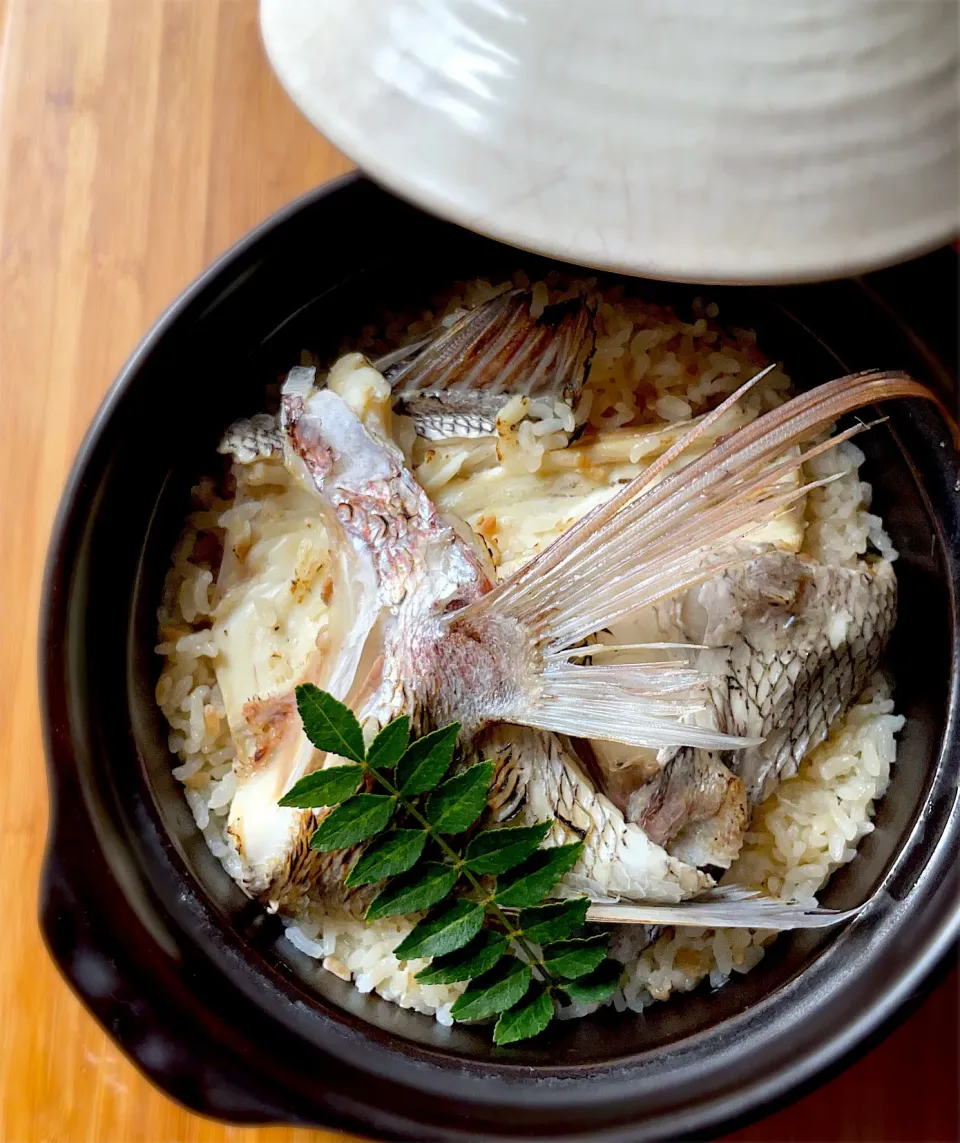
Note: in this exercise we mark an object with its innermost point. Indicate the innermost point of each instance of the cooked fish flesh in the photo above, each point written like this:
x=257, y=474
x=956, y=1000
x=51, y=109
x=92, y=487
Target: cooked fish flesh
x=518, y=512
x=695, y=804
x=794, y=643
x=454, y=384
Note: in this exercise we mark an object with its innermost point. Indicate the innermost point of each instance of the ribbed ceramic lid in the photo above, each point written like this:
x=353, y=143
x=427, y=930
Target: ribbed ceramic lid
x=682, y=139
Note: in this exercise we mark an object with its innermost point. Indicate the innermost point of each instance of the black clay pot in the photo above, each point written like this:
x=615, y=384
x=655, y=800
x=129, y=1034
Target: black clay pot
x=195, y=982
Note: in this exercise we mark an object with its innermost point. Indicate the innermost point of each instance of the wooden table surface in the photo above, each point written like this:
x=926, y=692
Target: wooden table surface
x=138, y=139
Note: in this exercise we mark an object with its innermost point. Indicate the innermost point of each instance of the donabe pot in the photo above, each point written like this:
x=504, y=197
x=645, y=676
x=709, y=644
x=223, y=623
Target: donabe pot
x=196, y=983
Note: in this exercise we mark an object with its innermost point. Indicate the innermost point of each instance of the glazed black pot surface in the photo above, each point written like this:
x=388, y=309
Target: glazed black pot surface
x=195, y=982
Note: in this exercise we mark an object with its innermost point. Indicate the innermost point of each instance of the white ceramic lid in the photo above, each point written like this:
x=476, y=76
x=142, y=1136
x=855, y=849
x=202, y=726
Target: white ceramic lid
x=700, y=140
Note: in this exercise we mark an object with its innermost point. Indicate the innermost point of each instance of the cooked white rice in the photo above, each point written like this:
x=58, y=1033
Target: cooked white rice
x=651, y=371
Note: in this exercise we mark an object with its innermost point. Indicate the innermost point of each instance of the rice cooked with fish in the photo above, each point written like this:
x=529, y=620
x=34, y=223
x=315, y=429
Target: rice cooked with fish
x=257, y=564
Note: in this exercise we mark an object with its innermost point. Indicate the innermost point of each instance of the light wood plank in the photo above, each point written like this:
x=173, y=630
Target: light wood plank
x=122, y=122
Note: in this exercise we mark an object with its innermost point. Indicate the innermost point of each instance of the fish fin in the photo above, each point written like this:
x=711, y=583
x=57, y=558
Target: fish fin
x=500, y=349
x=639, y=704
x=661, y=534
x=728, y=907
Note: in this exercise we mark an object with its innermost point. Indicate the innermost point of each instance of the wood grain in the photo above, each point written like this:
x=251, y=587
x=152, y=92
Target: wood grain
x=138, y=139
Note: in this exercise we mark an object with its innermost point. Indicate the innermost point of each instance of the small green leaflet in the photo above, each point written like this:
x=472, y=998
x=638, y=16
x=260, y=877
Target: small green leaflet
x=526, y=1019
x=415, y=891
x=449, y=927
x=389, y=855
x=529, y=883
x=479, y=956
x=329, y=724
x=324, y=788
x=387, y=748
x=571, y=959
x=554, y=922
x=426, y=761
x=457, y=803
x=600, y=985
x=497, y=850
x=495, y=991
x=354, y=820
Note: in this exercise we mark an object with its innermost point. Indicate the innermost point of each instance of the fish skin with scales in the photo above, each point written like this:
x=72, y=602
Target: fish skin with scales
x=793, y=644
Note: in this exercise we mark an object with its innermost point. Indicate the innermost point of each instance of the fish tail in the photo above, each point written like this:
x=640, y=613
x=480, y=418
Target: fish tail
x=662, y=533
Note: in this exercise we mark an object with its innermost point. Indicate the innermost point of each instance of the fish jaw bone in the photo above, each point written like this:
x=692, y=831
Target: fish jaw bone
x=263, y=832
x=715, y=840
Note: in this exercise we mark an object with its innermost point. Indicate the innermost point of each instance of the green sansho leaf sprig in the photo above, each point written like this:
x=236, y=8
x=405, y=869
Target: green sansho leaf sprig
x=420, y=837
